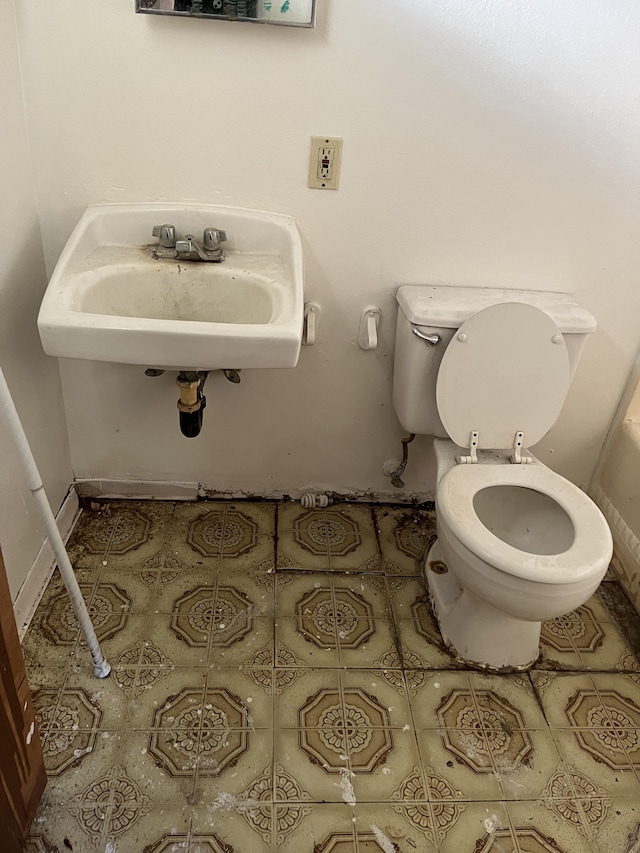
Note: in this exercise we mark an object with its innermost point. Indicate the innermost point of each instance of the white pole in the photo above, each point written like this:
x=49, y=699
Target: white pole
x=10, y=416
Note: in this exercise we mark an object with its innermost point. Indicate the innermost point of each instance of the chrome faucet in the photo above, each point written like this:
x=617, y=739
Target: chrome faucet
x=210, y=249
x=166, y=248
x=189, y=249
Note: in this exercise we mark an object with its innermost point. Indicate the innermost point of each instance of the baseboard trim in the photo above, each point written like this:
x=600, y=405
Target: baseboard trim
x=176, y=491
x=337, y=494
x=137, y=490
x=43, y=567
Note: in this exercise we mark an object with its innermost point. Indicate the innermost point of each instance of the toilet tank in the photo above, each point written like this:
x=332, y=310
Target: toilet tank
x=441, y=310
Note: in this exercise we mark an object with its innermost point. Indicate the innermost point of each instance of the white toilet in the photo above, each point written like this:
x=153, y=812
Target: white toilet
x=517, y=543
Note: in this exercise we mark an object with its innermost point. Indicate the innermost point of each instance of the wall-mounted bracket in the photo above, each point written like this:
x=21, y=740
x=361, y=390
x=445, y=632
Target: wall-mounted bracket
x=310, y=323
x=368, y=332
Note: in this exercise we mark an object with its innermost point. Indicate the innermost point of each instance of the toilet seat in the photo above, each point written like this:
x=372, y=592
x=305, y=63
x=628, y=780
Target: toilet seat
x=592, y=537
x=506, y=370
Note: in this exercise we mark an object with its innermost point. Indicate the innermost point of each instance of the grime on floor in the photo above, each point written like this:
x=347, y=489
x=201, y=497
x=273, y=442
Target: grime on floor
x=279, y=683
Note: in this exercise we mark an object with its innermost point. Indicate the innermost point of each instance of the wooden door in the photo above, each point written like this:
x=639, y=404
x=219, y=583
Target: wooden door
x=22, y=774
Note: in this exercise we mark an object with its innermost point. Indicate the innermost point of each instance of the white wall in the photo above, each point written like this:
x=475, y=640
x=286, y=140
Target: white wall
x=489, y=144
x=33, y=378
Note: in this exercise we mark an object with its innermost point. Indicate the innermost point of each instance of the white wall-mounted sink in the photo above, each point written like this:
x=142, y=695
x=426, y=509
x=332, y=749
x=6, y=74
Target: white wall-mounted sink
x=109, y=299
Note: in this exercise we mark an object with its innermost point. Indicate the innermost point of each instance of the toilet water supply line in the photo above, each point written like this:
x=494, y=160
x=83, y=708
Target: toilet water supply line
x=9, y=415
x=396, y=475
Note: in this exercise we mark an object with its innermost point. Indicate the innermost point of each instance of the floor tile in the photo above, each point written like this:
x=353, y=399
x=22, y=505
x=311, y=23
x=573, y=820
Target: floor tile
x=389, y=703
x=548, y=826
x=171, y=582
x=365, y=642
x=240, y=641
x=584, y=645
x=409, y=598
x=261, y=513
x=257, y=586
x=183, y=834
x=405, y=535
x=292, y=556
x=339, y=538
x=87, y=579
x=183, y=641
x=297, y=593
x=87, y=826
x=593, y=610
x=407, y=826
x=316, y=758
x=506, y=702
x=126, y=531
x=462, y=759
x=226, y=825
x=558, y=691
x=90, y=761
x=42, y=649
x=273, y=669
x=221, y=533
x=109, y=607
x=557, y=653
x=599, y=756
x=139, y=588
x=421, y=648
x=316, y=645
x=239, y=684
x=380, y=767
x=279, y=683
x=131, y=629
x=481, y=827
x=414, y=679
x=525, y=762
x=613, y=823
x=82, y=558
x=620, y=695
x=310, y=686
x=54, y=630
x=577, y=800
x=129, y=699
x=411, y=802
x=630, y=663
x=317, y=597
x=367, y=592
x=322, y=828
x=433, y=704
x=237, y=774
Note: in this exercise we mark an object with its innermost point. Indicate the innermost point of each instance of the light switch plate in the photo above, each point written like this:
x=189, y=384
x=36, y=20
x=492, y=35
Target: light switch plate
x=324, y=162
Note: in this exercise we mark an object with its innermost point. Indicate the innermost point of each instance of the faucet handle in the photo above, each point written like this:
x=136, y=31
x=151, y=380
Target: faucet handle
x=212, y=238
x=185, y=245
x=167, y=235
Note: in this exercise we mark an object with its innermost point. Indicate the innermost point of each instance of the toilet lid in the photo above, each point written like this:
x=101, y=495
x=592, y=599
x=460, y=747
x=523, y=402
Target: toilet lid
x=506, y=369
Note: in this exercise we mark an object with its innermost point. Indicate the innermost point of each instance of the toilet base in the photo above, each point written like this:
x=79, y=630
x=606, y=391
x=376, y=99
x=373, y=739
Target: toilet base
x=476, y=632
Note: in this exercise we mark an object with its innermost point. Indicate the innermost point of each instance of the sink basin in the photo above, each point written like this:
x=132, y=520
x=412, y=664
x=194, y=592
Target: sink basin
x=109, y=299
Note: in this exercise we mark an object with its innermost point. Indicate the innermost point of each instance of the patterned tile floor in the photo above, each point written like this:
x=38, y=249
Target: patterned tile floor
x=279, y=684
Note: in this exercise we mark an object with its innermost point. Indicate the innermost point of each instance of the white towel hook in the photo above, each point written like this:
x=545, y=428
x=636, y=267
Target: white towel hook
x=310, y=329
x=368, y=332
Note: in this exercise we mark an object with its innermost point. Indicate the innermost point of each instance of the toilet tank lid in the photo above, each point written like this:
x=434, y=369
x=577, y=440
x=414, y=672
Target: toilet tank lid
x=447, y=307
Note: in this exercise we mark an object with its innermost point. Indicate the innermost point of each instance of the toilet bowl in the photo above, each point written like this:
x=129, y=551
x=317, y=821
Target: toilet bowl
x=517, y=543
